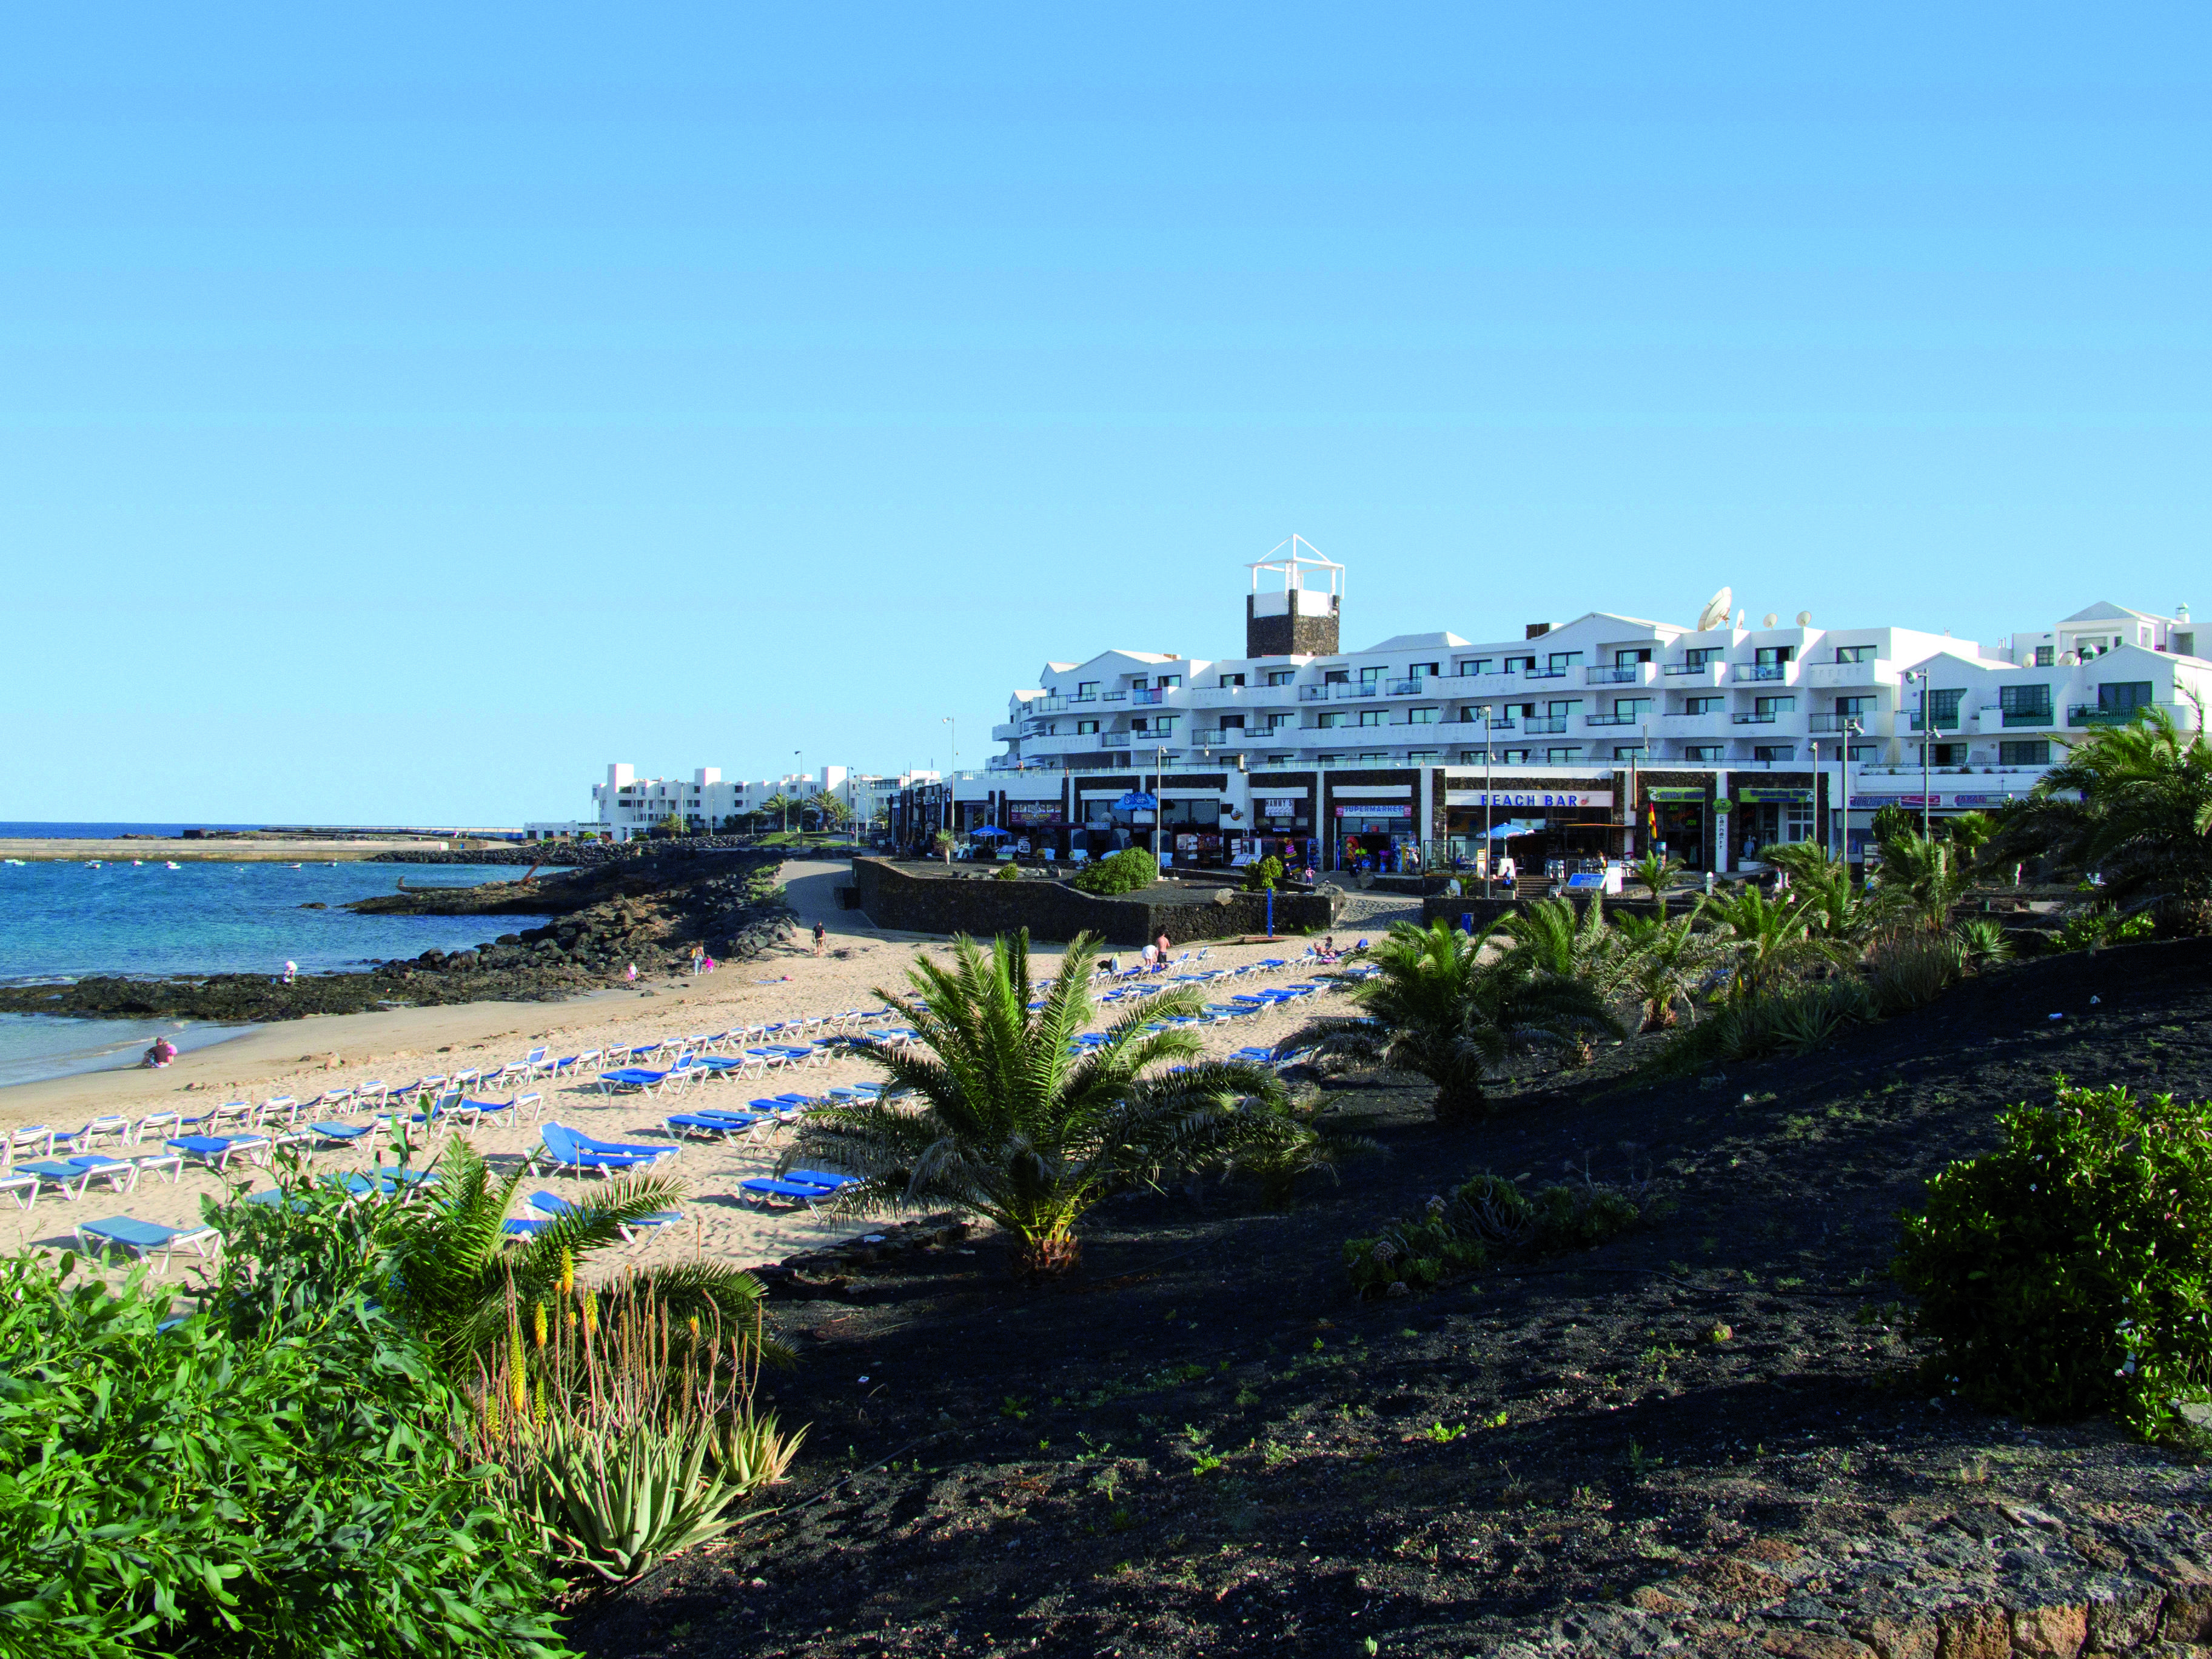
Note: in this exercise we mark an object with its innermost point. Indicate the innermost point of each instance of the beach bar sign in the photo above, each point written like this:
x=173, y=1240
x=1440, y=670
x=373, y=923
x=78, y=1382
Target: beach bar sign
x=1553, y=798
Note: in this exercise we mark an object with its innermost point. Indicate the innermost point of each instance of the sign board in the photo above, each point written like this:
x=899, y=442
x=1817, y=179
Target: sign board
x=1774, y=794
x=1551, y=798
x=1274, y=806
x=1671, y=793
x=1033, y=813
x=1373, y=810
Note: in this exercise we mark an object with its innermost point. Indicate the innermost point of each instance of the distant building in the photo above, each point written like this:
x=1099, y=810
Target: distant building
x=627, y=805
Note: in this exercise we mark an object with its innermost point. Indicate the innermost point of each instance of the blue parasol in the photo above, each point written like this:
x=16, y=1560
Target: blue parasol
x=1136, y=801
x=989, y=830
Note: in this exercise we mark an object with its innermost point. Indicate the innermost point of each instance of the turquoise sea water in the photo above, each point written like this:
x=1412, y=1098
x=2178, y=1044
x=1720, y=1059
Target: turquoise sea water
x=63, y=920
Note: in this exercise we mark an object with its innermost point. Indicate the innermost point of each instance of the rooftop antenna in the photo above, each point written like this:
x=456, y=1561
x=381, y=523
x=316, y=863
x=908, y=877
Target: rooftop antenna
x=1716, y=613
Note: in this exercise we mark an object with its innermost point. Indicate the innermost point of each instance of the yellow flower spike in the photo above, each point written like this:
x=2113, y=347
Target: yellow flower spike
x=538, y=1322
x=591, y=1313
x=537, y=1411
x=568, y=1271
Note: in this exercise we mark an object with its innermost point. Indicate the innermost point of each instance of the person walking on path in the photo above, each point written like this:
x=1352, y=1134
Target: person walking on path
x=819, y=932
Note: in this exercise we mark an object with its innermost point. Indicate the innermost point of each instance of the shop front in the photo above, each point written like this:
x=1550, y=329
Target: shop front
x=1678, y=822
x=1375, y=835
x=1283, y=828
x=1557, y=832
x=1041, y=824
x=1768, y=817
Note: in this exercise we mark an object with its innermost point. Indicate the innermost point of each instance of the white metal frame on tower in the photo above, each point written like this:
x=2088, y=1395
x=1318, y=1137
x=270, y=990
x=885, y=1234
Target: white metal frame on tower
x=1295, y=564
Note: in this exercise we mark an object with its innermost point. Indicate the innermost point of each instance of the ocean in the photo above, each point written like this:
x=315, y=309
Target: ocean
x=65, y=920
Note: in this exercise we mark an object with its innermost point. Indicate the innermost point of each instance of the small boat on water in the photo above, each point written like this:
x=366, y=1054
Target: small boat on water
x=13, y=860
x=92, y=864
x=291, y=866
x=173, y=864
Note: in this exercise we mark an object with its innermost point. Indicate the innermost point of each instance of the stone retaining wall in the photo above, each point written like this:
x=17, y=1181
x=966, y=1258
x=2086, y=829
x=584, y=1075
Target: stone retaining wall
x=914, y=902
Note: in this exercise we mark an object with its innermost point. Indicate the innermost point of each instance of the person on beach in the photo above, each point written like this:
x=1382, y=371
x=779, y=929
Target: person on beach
x=819, y=932
x=630, y=973
x=698, y=960
x=1151, y=956
x=291, y=972
x=1164, y=947
x=160, y=1054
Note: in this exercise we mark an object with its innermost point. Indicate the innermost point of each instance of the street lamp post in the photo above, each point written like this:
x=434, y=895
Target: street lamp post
x=1926, y=752
x=952, y=777
x=1489, y=851
x=799, y=755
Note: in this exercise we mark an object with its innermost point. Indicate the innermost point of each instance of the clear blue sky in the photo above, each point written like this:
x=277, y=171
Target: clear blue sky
x=404, y=414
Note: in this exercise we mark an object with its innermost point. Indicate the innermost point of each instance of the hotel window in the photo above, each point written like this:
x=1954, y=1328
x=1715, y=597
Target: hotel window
x=1704, y=751
x=1629, y=658
x=1281, y=676
x=1421, y=757
x=1866, y=751
x=1332, y=719
x=1373, y=757
x=1520, y=665
x=2025, y=753
x=1328, y=760
x=2022, y=705
x=1169, y=682
x=1775, y=751
x=1228, y=680
x=1514, y=756
x=1137, y=723
x=1469, y=713
x=1164, y=725
x=1278, y=760
x=1560, y=661
x=2044, y=656
x=1336, y=677
x=1698, y=656
x=1703, y=705
x=1232, y=722
x=1470, y=758
x=1631, y=707
x=1768, y=655
x=1854, y=708
x=1854, y=653
x=1562, y=756
x=1084, y=728
x=1371, y=717
x=1628, y=751
x=1418, y=669
x=1420, y=717
x=1277, y=722
x=1087, y=689
x=2125, y=698
x=1370, y=675
x=1474, y=664
x=1563, y=708
x=1772, y=706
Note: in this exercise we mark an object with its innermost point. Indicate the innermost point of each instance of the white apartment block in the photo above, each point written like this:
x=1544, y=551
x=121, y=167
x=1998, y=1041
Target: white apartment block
x=627, y=805
x=1605, y=688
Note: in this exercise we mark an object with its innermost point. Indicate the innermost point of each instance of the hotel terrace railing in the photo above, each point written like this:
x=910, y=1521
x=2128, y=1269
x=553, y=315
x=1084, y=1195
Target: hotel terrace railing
x=1620, y=674
x=1364, y=689
x=1941, y=722
x=1313, y=694
x=1762, y=670
x=1611, y=720
x=1688, y=668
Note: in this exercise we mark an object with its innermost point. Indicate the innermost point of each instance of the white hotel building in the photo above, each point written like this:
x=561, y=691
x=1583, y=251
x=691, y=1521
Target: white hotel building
x=627, y=805
x=1398, y=744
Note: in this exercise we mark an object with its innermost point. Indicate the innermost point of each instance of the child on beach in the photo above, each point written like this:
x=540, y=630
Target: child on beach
x=160, y=1054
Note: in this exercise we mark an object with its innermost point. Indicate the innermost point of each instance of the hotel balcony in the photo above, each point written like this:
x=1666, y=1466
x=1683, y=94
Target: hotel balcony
x=1549, y=726
x=1634, y=673
x=1941, y=722
x=1756, y=719
x=1875, y=671
x=1312, y=693
x=1685, y=675
x=1778, y=673
x=1149, y=694
x=1614, y=719
x=1114, y=739
x=1364, y=689
x=1003, y=732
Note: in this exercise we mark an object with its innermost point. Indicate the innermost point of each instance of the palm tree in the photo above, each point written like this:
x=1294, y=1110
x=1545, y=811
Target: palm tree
x=1924, y=878
x=1667, y=961
x=781, y=805
x=1768, y=941
x=1550, y=937
x=1820, y=885
x=455, y=1267
x=1438, y=1010
x=2143, y=823
x=1657, y=871
x=1014, y=1124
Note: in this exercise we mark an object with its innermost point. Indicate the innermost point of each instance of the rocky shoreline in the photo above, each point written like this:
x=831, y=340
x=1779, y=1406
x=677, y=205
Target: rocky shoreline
x=556, y=854
x=642, y=911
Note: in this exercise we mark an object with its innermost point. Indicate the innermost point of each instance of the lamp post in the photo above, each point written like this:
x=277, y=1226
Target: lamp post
x=1926, y=752
x=799, y=755
x=1489, y=852
x=952, y=777
x=1850, y=729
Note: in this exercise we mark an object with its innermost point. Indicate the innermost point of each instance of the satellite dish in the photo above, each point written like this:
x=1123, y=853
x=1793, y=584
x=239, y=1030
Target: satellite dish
x=1804, y=619
x=1740, y=613
x=1769, y=620
x=1716, y=613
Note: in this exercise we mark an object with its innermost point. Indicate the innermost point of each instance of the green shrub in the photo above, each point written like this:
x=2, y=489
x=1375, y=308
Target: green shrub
x=1128, y=872
x=2065, y=1273
x=1487, y=1214
x=1263, y=874
x=2093, y=932
x=1982, y=940
x=1008, y=873
x=1912, y=970
x=278, y=1476
x=1798, y=1021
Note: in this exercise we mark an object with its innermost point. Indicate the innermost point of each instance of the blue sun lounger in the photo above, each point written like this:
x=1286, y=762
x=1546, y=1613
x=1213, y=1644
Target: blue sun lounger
x=719, y=1125
x=631, y=1076
x=761, y=1188
x=557, y=1206
x=141, y=1238
x=214, y=1151
x=575, y=1152
x=73, y=1176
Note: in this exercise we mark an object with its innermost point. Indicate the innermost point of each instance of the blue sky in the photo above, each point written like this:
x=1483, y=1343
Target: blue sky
x=402, y=415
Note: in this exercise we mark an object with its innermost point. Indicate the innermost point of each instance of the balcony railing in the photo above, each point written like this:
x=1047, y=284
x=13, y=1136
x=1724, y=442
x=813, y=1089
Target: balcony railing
x=2028, y=717
x=1145, y=695
x=1753, y=719
x=1942, y=722
x=1838, y=724
x=1364, y=689
x=1762, y=670
x=1113, y=739
x=1620, y=674
x=1688, y=668
x=2089, y=713
x=1545, y=674
x=1692, y=714
x=1611, y=720
x=1549, y=727
x=1403, y=688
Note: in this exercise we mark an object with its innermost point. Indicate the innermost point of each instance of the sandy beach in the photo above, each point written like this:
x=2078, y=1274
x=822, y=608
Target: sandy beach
x=304, y=1058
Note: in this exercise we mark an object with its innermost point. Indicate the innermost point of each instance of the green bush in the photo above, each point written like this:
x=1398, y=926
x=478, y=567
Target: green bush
x=1008, y=873
x=2064, y=1273
x=1263, y=874
x=1128, y=872
x=1913, y=970
x=2093, y=932
x=1489, y=1213
x=277, y=1476
x=1798, y=1021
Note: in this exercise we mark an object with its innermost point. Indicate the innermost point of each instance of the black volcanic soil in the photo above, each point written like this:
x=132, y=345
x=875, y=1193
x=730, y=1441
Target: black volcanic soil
x=645, y=910
x=996, y=1471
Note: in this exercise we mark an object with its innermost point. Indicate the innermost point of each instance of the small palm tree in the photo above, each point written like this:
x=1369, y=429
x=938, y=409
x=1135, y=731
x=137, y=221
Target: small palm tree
x=1768, y=941
x=1666, y=961
x=1924, y=878
x=1550, y=937
x=1657, y=871
x=1014, y=1124
x=1438, y=1010
x=2143, y=823
x=1820, y=886
x=455, y=1265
